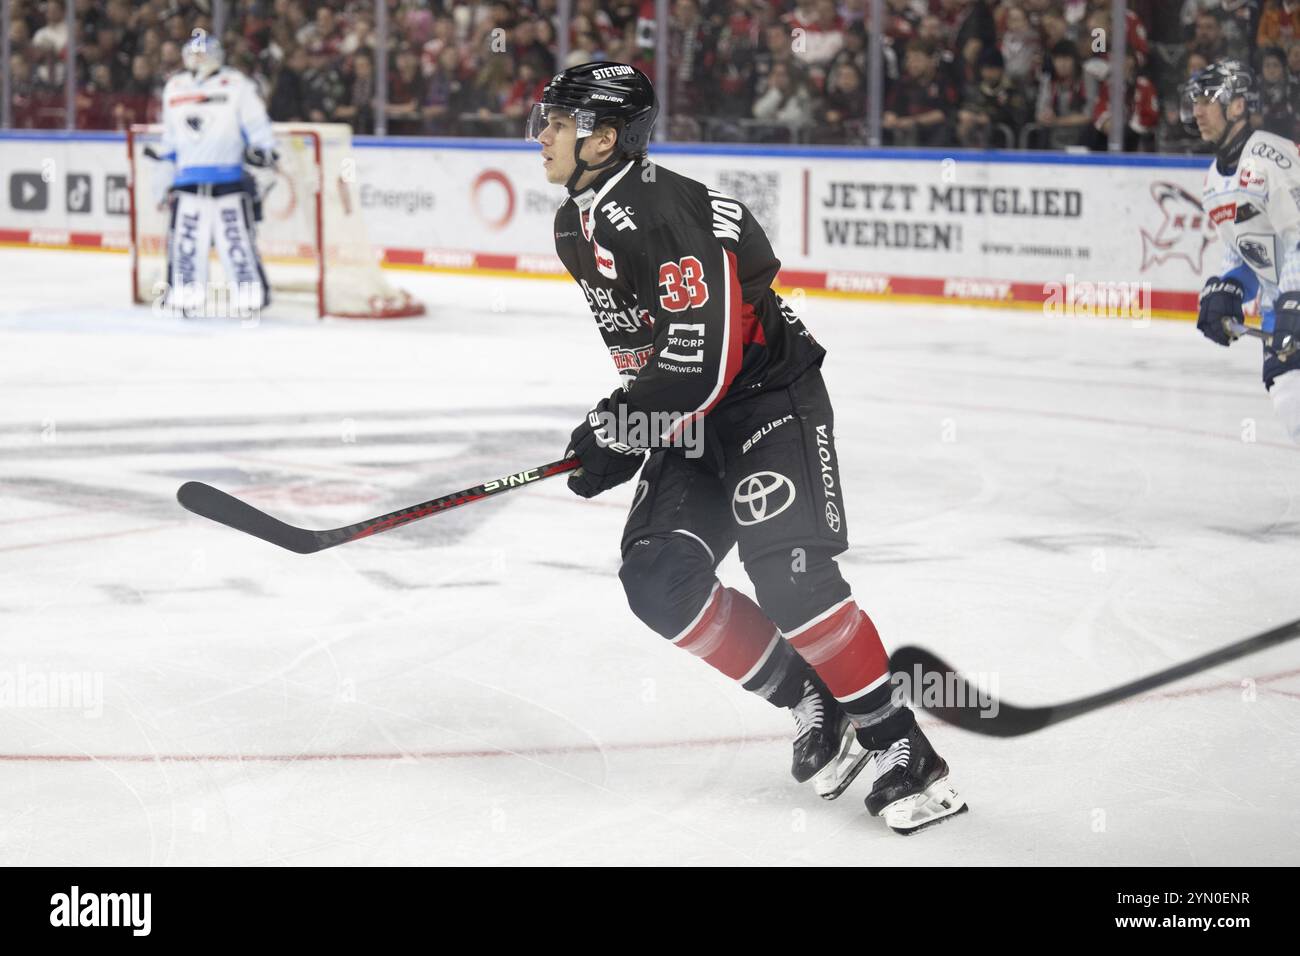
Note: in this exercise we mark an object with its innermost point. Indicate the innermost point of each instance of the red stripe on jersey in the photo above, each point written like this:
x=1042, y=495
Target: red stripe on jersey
x=753, y=327
x=844, y=650
x=733, y=334
x=732, y=634
x=735, y=328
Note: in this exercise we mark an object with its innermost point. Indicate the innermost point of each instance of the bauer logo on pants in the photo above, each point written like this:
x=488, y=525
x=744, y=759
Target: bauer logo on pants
x=762, y=495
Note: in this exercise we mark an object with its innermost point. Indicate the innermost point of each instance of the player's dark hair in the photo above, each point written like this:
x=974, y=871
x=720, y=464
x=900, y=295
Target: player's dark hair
x=616, y=125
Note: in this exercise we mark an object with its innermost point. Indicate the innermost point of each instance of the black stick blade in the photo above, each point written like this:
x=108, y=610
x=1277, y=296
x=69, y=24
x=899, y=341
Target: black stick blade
x=940, y=690
x=209, y=502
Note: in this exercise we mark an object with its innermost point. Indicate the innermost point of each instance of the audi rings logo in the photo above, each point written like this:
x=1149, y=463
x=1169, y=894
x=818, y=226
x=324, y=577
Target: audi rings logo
x=832, y=516
x=1266, y=151
x=762, y=495
x=494, y=198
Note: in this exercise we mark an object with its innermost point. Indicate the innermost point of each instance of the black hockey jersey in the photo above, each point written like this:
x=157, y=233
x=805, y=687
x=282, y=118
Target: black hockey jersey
x=679, y=279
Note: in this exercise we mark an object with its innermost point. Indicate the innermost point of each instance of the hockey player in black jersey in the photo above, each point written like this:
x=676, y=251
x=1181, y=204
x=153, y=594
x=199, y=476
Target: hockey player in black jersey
x=679, y=278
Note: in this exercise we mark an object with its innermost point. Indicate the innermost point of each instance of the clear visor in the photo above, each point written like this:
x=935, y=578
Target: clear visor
x=541, y=116
x=1192, y=93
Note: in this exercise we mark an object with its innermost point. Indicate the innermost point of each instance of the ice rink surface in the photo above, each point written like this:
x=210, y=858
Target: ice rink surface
x=1061, y=505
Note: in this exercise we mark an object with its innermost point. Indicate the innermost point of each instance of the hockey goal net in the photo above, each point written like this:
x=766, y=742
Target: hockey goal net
x=312, y=237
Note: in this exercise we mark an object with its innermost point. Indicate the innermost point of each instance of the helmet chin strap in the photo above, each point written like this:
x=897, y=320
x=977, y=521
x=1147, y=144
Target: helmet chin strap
x=581, y=166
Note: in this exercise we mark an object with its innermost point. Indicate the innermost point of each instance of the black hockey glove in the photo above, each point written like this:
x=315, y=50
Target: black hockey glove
x=606, y=460
x=260, y=158
x=1286, y=324
x=1221, y=302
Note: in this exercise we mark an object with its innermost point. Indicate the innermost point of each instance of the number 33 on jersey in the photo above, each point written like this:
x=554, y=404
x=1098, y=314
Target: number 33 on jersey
x=678, y=278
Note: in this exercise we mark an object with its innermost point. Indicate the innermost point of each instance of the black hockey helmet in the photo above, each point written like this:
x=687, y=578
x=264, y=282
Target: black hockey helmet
x=1220, y=82
x=599, y=94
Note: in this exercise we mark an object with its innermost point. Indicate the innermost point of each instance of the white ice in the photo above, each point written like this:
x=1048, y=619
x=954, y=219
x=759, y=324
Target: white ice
x=1062, y=505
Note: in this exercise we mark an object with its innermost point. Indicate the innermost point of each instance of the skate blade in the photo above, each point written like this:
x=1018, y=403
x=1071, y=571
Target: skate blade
x=833, y=779
x=935, y=804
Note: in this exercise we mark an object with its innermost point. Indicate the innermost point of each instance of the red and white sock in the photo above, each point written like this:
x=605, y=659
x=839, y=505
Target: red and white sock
x=842, y=646
x=732, y=635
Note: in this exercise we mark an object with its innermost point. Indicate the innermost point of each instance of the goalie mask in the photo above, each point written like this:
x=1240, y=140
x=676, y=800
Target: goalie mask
x=202, y=55
x=600, y=94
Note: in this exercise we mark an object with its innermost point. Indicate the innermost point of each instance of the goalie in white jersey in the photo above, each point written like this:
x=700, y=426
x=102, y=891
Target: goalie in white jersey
x=1252, y=195
x=214, y=123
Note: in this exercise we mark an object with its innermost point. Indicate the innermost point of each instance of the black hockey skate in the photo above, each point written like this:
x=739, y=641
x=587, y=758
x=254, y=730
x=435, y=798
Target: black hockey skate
x=826, y=750
x=911, y=790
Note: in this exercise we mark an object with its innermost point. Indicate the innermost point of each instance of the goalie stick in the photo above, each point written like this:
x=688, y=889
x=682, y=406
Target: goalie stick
x=218, y=506
x=922, y=669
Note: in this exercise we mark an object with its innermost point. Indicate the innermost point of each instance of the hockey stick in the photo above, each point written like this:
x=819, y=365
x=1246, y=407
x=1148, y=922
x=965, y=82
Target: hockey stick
x=1284, y=353
x=218, y=506
x=981, y=714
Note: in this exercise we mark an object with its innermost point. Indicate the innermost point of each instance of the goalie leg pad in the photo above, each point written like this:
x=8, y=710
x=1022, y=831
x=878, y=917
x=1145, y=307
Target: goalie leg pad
x=189, y=240
x=237, y=247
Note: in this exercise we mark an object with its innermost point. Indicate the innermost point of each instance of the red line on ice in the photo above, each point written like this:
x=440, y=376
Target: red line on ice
x=86, y=537
x=630, y=746
x=393, y=755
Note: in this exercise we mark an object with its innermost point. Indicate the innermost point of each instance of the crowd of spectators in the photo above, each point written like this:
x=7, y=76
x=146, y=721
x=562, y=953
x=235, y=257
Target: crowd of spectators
x=956, y=72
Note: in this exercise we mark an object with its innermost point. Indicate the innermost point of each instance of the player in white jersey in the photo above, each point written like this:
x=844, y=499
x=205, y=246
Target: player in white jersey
x=1252, y=195
x=214, y=123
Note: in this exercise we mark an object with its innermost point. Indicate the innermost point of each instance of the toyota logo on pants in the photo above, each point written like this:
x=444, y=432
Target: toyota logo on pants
x=762, y=495
x=832, y=516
